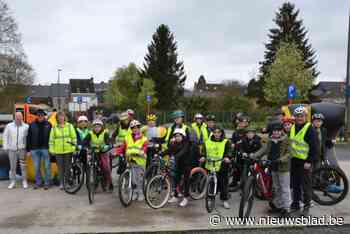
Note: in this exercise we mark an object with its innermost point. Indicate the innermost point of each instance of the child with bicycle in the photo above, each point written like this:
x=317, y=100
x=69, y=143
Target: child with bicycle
x=180, y=152
x=99, y=139
x=135, y=150
x=218, y=147
x=251, y=143
x=277, y=151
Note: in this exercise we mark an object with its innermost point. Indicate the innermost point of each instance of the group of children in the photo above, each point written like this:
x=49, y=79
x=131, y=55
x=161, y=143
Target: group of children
x=191, y=145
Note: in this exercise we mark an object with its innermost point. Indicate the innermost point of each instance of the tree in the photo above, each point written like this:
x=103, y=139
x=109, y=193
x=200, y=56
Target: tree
x=196, y=104
x=289, y=29
x=16, y=75
x=288, y=68
x=124, y=87
x=147, y=89
x=162, y=66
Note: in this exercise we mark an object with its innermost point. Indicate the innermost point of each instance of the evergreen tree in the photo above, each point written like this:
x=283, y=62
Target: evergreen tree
x=289, y=29
x=162, y=66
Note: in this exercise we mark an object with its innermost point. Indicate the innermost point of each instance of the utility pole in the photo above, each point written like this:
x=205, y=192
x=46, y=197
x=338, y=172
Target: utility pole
x=347, y=90
x=59, y=88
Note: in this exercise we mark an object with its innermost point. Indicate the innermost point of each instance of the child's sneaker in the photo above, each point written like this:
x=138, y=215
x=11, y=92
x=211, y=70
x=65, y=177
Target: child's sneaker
x=173, y=200
x=184, y=202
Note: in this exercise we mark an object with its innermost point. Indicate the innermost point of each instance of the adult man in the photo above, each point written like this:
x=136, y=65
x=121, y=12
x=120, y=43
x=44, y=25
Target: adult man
x=303, y=151
x=211, y=123
x=38, y=148
x=14, y=141
x=199, y=127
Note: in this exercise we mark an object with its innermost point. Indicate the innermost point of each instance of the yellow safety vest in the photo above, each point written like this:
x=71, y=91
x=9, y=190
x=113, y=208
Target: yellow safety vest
x=215, y=151
x=299, y=148
x=136, y=148
x=122, y=133
x=199, y=131
x=98, y=141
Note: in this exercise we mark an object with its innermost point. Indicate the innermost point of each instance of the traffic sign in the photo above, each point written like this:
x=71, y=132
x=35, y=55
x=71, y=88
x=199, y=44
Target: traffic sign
x=29, y=100
x=292, y=91
x=79, y=99
x=149, y=98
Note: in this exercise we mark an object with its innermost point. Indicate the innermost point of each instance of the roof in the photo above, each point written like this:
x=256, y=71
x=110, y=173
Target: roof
x=82, y=85
x=332, y=89
x=53, y=90
x=100, y=87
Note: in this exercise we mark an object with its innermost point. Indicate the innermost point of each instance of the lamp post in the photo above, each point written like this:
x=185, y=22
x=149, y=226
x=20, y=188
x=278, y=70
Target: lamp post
x=59, y=87
x=347, y=90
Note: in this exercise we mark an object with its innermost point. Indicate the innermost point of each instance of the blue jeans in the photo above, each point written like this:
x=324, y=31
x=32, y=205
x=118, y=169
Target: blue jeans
x=38, y=156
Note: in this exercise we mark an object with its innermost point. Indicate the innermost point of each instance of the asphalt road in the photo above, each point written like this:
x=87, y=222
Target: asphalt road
x=53, y=211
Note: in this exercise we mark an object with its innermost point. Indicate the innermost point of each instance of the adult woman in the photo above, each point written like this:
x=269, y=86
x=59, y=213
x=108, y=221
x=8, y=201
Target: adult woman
x=62, y=143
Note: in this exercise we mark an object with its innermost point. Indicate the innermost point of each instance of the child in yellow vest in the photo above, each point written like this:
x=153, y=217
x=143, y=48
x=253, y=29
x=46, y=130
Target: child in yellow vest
x=99, y=139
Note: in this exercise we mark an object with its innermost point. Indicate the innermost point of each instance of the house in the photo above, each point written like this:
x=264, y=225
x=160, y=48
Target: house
x=202, y=88
x=83, y=96
x=331, y=91
x=55, y=95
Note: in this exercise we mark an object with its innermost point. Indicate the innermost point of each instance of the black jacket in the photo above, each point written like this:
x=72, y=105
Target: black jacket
x=38, y=135
x=251, y=145
x=181, y=152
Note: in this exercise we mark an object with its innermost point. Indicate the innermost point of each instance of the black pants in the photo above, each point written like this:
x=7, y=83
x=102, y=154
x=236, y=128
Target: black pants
x=301, y=183
x=182, y=170
x=223, y=181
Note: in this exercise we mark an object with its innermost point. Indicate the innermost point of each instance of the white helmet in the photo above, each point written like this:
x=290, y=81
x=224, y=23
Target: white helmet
x=179, y=131
x=134, y=123
x=82, y=118
x=198, y=116
x=301, y=110
x=97, y=122
x=130, y=112
x=123, y=116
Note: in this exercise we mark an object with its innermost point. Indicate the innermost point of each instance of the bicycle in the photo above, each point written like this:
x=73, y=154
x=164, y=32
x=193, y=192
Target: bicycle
x=323, y=178
x=212, y=184
x=159, y=187
x=76, y=175
x=258, y=178
x=126, y=181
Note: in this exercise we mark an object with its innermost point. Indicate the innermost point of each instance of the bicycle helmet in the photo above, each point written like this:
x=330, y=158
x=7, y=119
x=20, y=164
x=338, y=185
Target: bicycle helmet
x=211, y=118
x=97, y=122
x=179, y=131
x=151, y=117
x=82, y=118
x=177, y=114
x=123, y=116
x=198, y=116
x=277, y=126
x=318, y=116
x=130, y=112
x=301, y=110
x=134, y=123
x=250, y=129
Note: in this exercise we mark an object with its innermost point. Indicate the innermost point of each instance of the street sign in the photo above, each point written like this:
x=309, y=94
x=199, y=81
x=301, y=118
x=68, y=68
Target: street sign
x=292, y=91
x=149, y=98
x=29, y=100
x=348, y=91
x=79, y=99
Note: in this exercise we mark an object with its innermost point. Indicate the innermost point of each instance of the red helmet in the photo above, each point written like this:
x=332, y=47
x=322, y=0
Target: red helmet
x=288, y=120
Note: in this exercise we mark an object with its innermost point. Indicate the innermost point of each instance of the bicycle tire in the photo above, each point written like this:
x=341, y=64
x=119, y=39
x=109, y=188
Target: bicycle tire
x=123, y=183
x=160, y=183
x=77, y=170
x=321, y=185
x=150, y=172
x=247, y=198
x=91, y=183
x=210, y=199
x=197, y=183
x=258, y=188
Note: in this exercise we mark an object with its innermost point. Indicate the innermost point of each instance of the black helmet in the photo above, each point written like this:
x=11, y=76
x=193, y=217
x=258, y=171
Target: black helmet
x=318, y=116
x=277, y=126
x=211, y=118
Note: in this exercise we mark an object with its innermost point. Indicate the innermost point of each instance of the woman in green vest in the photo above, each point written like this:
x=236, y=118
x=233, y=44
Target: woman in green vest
x=123, y=129
x=218, y=147
x=99, y=140
x=62, y=136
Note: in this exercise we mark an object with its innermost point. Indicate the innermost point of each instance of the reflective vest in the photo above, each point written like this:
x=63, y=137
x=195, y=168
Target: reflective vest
x=206, y=134
x=136, y=148
x=98, y=141
x=60, y=139
x=82, y=133
x=184, y=127
x=299, y=148
x=122, y=133
x=215, y=151
x=199, y=131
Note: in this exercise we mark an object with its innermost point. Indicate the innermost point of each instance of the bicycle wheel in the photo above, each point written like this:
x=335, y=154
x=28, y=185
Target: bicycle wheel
x=91, y=177
x=198, y=183
x=234, y=173
x=330, y=185
x=247, y=198
x=258, y=191
x=158, y=191
x=125, y=189
x=210, y=196
x=74, y=181
x=150, y=172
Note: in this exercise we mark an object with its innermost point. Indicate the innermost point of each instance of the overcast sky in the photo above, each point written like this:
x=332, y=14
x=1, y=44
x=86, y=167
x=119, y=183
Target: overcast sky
x=219, y=39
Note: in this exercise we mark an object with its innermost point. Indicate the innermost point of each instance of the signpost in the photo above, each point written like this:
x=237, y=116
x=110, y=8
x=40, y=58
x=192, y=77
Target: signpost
x=149, y=100
x=79, y=101
x=292, y=91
